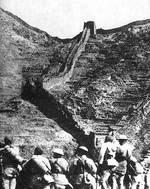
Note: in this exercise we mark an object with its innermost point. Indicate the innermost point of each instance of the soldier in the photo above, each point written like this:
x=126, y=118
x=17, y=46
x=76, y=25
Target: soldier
x=60, y=169
x=146, y=165
x=36, y=173
x=10, y=164
x=137, y=177
x=83, y=170
x=123, y=154
x=107, y=162
x=1, y=163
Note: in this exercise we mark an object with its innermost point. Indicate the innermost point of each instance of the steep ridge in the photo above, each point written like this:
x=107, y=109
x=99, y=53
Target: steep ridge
x=110, y=80
x=36, y=56
x=88, y=84
x=70, y=62
x=47, y=104
x=26, y=53
x=27, y=56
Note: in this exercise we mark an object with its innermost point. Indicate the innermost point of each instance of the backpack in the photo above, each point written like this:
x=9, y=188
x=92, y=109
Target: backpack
x=109, y=159
x=131, y=169
x=121, y=155
x=77, y=167
x=134, y=168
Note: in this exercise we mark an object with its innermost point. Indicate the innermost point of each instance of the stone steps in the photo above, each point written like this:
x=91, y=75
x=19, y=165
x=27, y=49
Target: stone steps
x=132, y=96
x=6, y=110
x=103, y=129
x=107, y=120
x=142, y=79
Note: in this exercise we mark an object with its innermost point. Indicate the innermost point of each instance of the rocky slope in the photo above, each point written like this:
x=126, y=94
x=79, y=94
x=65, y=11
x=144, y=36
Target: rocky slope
x=26, y=53
x=109, y=86
x=56, y=92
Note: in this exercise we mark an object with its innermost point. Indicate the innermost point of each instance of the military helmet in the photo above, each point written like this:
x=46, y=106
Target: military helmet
x=122, y=137
x=141, y=159
x=133, y=159
x=146, y=156
x=83, y=148
x=58, y=151
x=38, y=151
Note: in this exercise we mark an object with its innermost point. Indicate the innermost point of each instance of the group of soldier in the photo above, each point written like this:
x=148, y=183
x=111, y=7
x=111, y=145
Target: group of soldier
x=116, y=168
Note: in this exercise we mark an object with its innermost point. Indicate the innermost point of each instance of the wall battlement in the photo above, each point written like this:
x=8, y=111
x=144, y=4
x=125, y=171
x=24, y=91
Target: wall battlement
x=90, y=25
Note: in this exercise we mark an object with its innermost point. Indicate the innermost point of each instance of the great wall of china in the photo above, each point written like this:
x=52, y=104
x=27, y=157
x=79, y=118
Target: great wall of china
x=140, y=105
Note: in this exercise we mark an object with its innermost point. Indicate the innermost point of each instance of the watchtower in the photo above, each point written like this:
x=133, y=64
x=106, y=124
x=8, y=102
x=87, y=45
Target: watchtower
x=91, y=25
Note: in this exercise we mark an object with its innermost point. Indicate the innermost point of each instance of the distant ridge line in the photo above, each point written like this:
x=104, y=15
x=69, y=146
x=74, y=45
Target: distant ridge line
x=36, y=29
x=121, y=28
x=66, y=40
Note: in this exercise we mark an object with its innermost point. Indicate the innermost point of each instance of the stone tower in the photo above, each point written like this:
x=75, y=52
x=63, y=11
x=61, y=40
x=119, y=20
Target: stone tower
x=91, y=25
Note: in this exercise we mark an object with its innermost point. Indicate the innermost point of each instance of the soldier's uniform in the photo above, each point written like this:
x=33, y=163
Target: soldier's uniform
x=83, y=170
x=36, y=172
x=138, y=179
x=10, y=162
x=123, y=153
x=59, y=169
x=1, y=163
x=107, y=162
x=146, y=165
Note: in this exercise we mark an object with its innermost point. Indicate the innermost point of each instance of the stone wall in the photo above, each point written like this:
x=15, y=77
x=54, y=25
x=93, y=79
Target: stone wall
x=70, y=62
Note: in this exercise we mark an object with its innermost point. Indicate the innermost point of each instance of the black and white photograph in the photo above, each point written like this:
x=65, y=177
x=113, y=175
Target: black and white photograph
x=74, y=94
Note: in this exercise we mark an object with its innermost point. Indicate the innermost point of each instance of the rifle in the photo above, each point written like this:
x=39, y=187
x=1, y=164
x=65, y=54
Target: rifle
x=1, y=160
x=98, y=175
x=81, y=165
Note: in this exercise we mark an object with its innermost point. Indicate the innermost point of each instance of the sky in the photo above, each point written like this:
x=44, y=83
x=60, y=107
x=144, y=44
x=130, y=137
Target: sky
x=65, y=18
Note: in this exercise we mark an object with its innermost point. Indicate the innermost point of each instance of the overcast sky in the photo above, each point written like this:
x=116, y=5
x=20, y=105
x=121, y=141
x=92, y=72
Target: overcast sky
x=64, y=18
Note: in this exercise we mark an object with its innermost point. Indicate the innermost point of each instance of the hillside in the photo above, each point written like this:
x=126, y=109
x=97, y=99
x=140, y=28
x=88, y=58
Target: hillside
x=109, y=85
x=25, y=52
x=60, y=92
